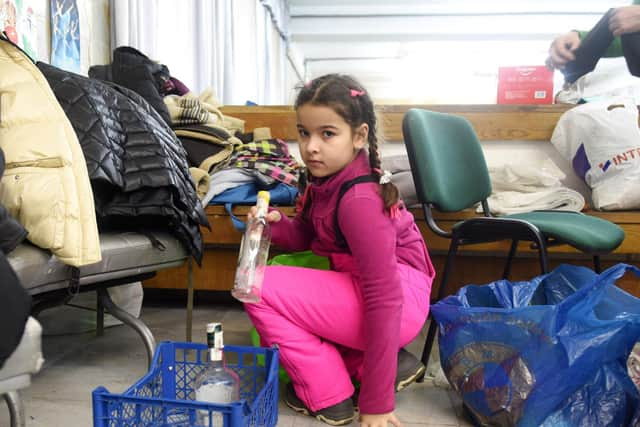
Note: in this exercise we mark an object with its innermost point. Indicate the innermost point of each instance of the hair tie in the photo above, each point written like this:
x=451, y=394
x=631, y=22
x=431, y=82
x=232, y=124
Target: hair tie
x=385, y=177
x=308, y=83
x=355, y=93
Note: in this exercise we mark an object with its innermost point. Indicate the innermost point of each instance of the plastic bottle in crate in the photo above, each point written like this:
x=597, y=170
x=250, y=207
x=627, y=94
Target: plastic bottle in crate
x=254, y=251
x=216, y=383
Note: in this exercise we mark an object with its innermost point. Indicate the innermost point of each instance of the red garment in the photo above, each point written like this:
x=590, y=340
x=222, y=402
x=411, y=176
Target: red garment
x=376, y=244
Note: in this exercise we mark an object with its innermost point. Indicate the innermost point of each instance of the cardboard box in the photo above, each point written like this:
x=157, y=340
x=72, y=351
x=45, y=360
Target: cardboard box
x=525, y=85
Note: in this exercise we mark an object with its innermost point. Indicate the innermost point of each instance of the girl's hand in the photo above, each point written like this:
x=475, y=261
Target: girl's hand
x=273, y=216
x=379, y=420
x=625, y=20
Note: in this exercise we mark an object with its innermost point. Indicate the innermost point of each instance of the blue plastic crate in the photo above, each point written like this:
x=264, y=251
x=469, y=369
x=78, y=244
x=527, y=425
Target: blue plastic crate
x=165, y=397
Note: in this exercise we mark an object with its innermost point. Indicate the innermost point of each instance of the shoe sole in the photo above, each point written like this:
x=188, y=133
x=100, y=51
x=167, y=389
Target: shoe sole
x=408, y=381
x=320, y=417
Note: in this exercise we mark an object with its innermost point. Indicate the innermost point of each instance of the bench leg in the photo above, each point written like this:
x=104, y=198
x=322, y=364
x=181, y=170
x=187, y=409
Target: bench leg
x=16, y=409
x=99, y=316
x=189, y=299
x=137, y=324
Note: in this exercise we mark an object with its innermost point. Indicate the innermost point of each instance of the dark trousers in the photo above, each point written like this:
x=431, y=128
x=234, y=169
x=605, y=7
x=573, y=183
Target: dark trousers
x=15, y=306
x=595, y=44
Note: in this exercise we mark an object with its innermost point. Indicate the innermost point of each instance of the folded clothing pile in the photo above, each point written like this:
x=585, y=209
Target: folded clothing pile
x=525, y=188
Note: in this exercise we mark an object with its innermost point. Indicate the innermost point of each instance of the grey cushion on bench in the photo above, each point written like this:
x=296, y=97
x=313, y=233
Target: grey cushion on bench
x=124, y=254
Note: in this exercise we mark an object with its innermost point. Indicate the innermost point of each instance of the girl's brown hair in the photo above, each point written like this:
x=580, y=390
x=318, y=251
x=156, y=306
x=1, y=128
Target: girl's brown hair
x=346, y=96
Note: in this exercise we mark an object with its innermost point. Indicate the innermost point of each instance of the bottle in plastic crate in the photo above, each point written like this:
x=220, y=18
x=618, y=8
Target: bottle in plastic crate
x=166, y=395
x=216, y=383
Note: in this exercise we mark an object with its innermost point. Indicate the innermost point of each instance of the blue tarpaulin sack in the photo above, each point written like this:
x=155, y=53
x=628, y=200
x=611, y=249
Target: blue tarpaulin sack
x=246, y=194
x=547, y=352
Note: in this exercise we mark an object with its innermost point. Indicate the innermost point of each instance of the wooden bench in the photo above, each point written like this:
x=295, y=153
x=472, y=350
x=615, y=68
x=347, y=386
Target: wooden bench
x=480, y=263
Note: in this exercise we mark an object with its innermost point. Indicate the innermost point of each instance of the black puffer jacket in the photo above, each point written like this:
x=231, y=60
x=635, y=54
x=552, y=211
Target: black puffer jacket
x=134, y=70
x=137, y=166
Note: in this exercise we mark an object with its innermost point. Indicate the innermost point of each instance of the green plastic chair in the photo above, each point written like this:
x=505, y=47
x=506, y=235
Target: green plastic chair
x=298, y=259
x=450, y=174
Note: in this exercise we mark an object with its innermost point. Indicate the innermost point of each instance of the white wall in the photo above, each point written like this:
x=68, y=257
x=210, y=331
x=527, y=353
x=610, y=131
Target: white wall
x=295, y=72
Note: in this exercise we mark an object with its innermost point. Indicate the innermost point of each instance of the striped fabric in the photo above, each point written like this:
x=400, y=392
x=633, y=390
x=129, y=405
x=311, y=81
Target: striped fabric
x=191, y=112
x=270, y=157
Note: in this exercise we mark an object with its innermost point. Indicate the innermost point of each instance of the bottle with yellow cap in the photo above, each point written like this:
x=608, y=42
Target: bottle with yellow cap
x=254, y=252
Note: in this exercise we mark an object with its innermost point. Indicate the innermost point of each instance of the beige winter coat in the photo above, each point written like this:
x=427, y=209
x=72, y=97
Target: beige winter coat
x=46, y=185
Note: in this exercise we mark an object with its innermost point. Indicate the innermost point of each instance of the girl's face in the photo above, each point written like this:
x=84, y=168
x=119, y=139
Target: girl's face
x=327, y=143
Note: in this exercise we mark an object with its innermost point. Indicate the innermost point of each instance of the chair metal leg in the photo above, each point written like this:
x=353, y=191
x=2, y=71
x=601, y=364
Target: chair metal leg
x=453, y=250
x=597, y=267
x=542, y=252
x=16, y=409
x=137, y=324
x=189, y=300
x=99, y=316
x=428, y=344
x=431, y=334
x=512, y=253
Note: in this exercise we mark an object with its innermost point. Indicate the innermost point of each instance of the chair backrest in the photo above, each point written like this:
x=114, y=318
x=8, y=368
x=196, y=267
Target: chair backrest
x=447, y=163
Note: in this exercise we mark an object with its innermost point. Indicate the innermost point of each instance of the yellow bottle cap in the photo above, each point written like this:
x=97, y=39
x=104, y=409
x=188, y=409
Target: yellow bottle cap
x=264, y=195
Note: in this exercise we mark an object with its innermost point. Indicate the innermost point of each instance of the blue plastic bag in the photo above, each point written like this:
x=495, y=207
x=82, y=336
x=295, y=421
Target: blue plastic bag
x=548, y=352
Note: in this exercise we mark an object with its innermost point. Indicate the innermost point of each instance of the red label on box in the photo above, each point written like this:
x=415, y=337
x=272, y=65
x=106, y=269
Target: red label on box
x=525, y=85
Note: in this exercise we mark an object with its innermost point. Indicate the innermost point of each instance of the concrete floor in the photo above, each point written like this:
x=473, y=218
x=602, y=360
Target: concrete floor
x=77, y=361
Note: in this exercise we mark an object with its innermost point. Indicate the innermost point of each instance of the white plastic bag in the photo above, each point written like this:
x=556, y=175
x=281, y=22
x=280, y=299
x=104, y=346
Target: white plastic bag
x=611, y=78
x=601, y=140
x=128, y=297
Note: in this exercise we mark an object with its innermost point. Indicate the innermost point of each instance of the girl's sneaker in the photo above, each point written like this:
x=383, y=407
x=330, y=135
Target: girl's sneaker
x=337, y=415
x=410, y=368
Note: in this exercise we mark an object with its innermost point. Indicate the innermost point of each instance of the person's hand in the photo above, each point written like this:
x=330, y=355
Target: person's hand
x=625, y=20
x=379, y=420
x=561, y=50
x=273, y=216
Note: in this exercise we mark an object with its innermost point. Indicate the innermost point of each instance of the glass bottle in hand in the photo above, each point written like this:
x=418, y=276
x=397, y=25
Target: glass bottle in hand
x=254, y=252
x=216, y=383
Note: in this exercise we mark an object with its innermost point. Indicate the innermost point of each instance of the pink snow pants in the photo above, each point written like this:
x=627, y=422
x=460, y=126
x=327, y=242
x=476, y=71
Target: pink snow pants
x=315, y=318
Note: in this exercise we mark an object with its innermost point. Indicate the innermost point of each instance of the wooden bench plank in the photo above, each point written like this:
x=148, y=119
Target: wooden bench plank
x=491, y=122
x=479, y=263
x=223, y=233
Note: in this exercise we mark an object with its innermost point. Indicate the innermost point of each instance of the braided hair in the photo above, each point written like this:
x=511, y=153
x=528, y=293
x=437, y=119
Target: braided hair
x=346, y=96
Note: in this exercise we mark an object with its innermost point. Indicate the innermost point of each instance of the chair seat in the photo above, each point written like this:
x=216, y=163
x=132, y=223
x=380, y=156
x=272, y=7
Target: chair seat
x=124, y=254
x=584, y=232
